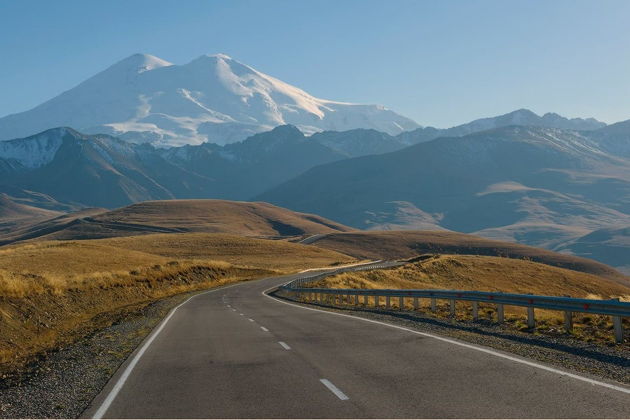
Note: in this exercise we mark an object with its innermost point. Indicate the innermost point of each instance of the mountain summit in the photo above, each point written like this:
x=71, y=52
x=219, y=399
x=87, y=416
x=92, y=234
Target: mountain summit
x=214, y=98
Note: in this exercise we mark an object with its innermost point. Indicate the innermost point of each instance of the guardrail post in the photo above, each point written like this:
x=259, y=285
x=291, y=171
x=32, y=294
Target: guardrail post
x=416, y=303
x=401, y=303
x=618, y=327
x=531, y=321
x=365, y=300
x=433, y=304
x=387, y=302
x=500, y=313
x=356, y=300
x=475, y=307
x=452, y=307
x=376, y=301
x=568, y=321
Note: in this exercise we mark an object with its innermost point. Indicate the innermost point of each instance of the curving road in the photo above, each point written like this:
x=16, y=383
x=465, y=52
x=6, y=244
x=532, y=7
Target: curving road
x=237, y=353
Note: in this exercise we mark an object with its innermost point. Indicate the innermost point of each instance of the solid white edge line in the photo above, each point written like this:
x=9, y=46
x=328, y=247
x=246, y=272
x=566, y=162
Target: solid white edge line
x=461, y=344
x=102, y=410
x=285, y=345
x=334, y=389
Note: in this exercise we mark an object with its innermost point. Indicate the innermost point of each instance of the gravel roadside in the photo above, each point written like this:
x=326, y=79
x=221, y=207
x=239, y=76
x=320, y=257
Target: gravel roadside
x=596, y=360
x=63, y=383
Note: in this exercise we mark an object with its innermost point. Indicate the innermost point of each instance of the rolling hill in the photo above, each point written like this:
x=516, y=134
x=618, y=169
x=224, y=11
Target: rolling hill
x=14, y=215
x=179, y=216
x=409, y=244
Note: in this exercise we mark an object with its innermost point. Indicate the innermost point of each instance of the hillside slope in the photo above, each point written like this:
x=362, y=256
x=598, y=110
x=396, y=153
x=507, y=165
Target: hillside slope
x=179, y=216
x=537, y=186
x=14, y=216
x=407, y=244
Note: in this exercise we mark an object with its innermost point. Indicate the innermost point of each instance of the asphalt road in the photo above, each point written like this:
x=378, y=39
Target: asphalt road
x=236, y=353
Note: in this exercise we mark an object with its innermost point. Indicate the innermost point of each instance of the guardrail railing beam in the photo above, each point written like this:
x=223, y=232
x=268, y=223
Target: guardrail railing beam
x=567, y=305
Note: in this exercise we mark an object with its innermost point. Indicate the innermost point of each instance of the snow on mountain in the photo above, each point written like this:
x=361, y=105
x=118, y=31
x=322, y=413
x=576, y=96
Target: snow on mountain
x=213, y=98
x=34, y=152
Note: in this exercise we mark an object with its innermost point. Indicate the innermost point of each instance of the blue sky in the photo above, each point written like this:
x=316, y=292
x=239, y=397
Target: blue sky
x=439, y=62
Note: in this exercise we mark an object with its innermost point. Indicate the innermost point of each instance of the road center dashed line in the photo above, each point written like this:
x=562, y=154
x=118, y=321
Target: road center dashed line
x=250, y=320
x=264, y=329
x=334, y=389
x=285, y=345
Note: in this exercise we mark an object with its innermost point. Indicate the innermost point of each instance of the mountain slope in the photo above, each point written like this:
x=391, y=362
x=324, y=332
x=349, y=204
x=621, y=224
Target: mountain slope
x=609, y=245
x=99, y=171
x=550, y=181
x=244, y=169
x=213, y=98
x=103, y=171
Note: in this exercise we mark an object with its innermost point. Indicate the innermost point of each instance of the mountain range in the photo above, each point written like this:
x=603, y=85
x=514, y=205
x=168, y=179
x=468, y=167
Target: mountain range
x=146, y=129
x=214, y=98
x=547, y=187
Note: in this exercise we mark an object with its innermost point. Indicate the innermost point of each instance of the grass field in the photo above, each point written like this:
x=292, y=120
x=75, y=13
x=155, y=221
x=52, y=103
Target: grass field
x=496, y=274
x=53, y=292
x=406, y=244
x=175, y=216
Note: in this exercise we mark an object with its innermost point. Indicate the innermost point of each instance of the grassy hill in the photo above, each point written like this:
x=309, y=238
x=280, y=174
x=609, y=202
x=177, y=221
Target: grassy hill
x=53, y=292
x=495, y=274
x=406, y=244
x=14, y=215
x=179, y=216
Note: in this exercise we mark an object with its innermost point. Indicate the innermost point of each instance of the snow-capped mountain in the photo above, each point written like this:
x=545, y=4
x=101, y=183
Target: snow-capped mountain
x=214, y=98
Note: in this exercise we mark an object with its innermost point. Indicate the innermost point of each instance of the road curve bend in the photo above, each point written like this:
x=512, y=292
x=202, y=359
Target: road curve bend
x=236, y=352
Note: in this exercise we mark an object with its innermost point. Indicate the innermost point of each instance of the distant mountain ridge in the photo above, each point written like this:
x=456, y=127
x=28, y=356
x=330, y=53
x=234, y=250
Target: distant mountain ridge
x=214, y=98
x=534, y=185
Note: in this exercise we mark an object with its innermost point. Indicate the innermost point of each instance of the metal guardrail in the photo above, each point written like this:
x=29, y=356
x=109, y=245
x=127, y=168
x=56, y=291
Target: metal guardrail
x=614, y=308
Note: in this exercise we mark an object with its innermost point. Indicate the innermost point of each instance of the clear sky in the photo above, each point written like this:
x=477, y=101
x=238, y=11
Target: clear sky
x=439, y=62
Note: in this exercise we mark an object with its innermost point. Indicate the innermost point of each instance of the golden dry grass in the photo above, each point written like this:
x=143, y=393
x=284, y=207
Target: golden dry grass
x=53, y=292
x=406, y=244
x=178, y=216
x=221, y=216
x=472, y=272
x=277, y=255
x=494, y=274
